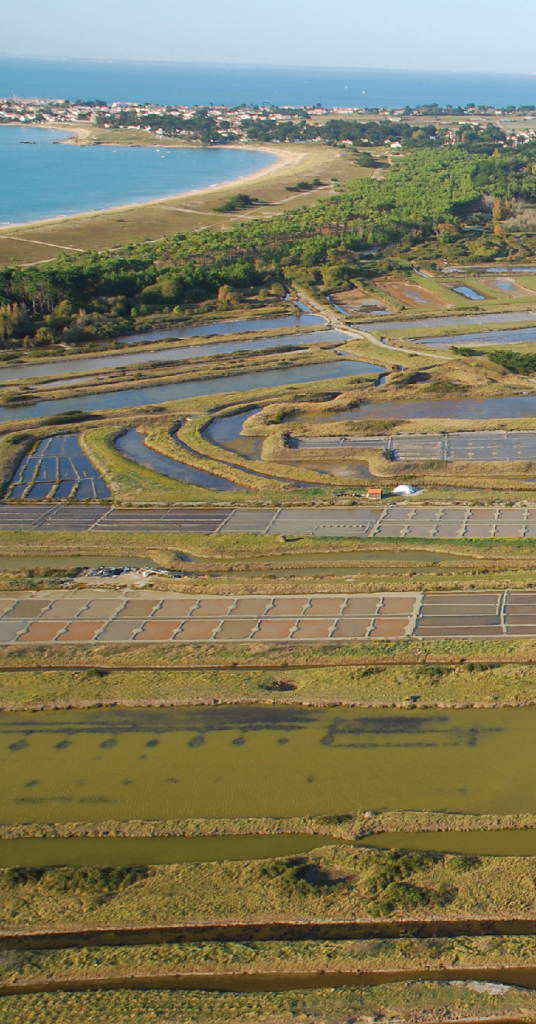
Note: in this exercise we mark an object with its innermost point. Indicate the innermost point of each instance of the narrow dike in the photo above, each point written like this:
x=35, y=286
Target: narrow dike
x=268, y=932
x=276, y=981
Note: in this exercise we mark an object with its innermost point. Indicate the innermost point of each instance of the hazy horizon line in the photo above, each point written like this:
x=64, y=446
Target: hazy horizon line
x=234, y=64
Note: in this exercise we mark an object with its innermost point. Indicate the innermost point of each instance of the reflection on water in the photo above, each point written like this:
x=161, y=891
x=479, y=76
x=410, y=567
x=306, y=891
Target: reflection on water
x=515, y=316
x=135, y=397
x=415, y=294
x=227, y=433
x=59, y=367
x=467, y=292
x=131, y=444
x=163, y=763
x=516, y=337
x=114, y=851
x=505, y=286
x=230, y=327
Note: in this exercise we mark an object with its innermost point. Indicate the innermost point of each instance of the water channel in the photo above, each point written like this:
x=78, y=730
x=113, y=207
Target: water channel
x=135, y=397
x=59, y=367
x=480, y=843
x=454, y=320
x=302, y=319
x=502, y=269
x=263, y=761
x=521, y=335
x=118, y=851
x=227, y=433
x=369, y=563
x=131, y=444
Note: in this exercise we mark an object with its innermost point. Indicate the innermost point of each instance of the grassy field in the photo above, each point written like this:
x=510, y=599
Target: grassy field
x=234, y=958
x=415, y=1002
x=448, y=673
x=131, y=482
x=194, y=212
x=337, y=883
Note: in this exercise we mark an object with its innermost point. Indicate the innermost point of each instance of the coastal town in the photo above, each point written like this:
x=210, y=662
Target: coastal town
x=343, y=126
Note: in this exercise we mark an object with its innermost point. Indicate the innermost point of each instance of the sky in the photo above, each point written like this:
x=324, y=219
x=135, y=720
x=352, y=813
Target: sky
x=432, y=35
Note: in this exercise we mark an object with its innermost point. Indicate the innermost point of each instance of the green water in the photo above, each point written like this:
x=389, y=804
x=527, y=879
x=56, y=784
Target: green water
x=255, y=761
x=114, y=851
x=501, y=843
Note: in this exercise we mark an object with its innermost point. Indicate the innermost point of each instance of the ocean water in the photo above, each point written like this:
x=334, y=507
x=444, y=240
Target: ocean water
x=234, y=84
x=45, y=180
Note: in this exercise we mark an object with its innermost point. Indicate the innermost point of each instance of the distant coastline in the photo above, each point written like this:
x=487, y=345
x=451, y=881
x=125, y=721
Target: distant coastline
x=231, y=85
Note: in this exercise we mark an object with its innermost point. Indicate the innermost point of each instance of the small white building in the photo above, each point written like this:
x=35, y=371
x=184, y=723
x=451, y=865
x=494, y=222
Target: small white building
x=404, y=489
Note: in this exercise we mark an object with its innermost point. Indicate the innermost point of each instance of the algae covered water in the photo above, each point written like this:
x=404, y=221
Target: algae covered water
x=254, y=761
x=115, y=851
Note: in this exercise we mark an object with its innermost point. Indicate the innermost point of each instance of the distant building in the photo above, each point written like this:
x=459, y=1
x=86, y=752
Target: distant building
x=404, y=489
x=374, y=492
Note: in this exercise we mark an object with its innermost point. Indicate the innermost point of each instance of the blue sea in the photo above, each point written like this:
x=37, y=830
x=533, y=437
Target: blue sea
x=234, y=84
x=44, y=180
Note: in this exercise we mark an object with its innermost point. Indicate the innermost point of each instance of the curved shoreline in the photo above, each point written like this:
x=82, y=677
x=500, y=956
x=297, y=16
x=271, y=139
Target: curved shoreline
x=282, y=160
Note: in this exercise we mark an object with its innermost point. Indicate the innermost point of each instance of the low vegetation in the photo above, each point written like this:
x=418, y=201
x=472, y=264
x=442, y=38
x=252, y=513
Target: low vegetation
x=422, y=1002
x=415, y=212
x=340, y=883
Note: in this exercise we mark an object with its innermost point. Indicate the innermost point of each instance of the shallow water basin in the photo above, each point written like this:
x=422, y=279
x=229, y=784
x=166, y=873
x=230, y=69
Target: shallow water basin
x=467, y=292
x=263, y=761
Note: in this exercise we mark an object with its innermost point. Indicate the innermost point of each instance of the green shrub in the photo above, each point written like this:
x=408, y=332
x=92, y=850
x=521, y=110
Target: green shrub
x=72, y=416
x=98, y=881
x=401, y=896
x=18, y=438
x=463, y=862
x=516, y=362
x=365, y=160
x=241, y=201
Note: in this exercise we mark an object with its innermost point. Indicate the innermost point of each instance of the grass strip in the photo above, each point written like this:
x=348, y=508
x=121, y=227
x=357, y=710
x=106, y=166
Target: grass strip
x=358, y=825
x=411, y=1002
x=329, y=889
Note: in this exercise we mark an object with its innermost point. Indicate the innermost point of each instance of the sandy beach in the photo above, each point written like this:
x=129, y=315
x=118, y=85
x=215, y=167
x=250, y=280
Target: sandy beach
x=284, y=159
